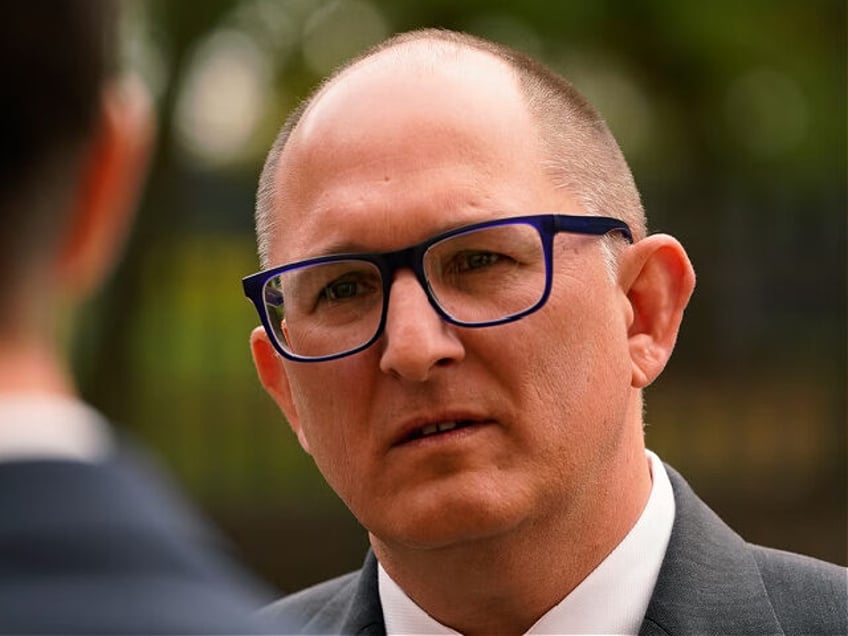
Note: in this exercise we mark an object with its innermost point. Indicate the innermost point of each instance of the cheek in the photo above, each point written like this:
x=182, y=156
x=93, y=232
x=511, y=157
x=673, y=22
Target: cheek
x=577, y=365
x=327, y=391
x=331, y=400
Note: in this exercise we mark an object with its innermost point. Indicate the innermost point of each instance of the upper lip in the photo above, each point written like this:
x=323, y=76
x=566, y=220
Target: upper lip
x=413, y=427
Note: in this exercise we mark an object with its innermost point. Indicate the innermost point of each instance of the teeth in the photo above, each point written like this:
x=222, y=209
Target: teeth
x=440, y=427
x=429, y=430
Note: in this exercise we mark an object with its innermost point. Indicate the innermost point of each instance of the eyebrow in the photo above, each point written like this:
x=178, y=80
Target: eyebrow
x=345, y=246
x=351, y=246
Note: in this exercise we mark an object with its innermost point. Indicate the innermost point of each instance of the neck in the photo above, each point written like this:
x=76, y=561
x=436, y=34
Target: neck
x=30, y=365
x=505, y=584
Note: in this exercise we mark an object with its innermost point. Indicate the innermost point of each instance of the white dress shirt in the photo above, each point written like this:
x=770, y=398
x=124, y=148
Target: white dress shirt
x=612, y=599
x=48, y=426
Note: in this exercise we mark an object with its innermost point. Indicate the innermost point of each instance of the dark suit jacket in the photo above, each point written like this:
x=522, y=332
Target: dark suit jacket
x=107, y=548
x=711, y=582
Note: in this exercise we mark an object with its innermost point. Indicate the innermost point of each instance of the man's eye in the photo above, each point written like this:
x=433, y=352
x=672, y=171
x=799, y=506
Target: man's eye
x=346, y=288
x=468, y=261
x=341, y=290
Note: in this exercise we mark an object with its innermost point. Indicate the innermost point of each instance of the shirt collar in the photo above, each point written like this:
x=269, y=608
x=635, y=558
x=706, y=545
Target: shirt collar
x=612, y=599
x=48, y=426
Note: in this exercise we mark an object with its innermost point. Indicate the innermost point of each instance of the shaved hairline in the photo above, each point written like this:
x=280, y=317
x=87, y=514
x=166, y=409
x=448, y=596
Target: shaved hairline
x=581, y=154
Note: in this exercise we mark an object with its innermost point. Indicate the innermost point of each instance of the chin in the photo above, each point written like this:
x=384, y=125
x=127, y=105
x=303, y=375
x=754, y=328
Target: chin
x=445, y=524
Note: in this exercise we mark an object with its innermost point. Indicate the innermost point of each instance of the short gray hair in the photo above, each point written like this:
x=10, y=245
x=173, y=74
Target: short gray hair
x=581, y=154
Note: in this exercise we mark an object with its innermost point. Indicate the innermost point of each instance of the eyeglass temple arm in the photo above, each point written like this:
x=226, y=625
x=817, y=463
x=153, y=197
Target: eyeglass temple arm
x=597, y=225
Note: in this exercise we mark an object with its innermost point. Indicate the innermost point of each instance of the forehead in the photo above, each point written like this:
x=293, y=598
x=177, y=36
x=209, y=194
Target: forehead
x=404, y=146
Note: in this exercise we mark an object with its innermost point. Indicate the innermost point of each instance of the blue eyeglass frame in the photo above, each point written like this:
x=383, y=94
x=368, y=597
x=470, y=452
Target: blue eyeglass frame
x=412, y=257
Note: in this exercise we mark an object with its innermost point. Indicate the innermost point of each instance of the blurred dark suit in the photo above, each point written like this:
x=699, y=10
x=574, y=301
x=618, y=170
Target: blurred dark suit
x=105, y=547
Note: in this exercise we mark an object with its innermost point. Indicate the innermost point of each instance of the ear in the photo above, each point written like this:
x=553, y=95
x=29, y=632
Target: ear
x=658, y=279
x=113, y=167
x=272, y=374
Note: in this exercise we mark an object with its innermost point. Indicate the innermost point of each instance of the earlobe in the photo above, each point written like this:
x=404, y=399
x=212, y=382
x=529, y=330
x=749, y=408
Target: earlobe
x=658, y=280
x=274, y=379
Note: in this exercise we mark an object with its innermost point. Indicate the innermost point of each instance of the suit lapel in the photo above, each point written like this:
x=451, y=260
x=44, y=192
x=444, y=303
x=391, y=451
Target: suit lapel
x=365, y=617
x=353, y=609
x=709, y=581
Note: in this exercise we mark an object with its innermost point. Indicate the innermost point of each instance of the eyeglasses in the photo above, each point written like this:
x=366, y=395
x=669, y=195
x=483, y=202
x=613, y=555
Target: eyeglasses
x=478, y=275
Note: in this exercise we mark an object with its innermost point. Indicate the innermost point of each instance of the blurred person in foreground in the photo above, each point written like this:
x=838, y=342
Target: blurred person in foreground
x=91, y=539
x=461, y=306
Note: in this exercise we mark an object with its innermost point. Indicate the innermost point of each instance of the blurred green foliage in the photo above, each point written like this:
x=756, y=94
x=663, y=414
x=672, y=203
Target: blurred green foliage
x=733, y=115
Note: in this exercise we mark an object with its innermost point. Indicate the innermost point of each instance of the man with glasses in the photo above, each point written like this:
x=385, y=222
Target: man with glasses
x=92, y=539
x=460, y=307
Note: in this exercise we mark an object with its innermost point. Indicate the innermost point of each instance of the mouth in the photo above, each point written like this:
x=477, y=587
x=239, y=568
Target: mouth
x=436, y=428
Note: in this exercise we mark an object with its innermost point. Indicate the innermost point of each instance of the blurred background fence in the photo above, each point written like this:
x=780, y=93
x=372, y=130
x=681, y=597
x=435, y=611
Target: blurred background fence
x=733, y=116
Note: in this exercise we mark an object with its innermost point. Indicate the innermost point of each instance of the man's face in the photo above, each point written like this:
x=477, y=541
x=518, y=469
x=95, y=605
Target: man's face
x=385, y=159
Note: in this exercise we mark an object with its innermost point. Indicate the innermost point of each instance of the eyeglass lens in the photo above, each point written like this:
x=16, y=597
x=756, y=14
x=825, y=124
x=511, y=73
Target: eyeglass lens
x=480, y=276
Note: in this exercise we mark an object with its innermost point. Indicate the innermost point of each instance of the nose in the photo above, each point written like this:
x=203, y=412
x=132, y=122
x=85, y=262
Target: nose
x=416, y=340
